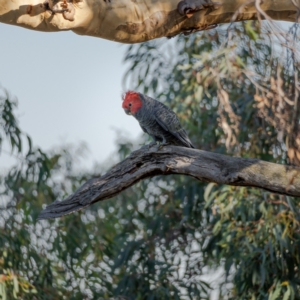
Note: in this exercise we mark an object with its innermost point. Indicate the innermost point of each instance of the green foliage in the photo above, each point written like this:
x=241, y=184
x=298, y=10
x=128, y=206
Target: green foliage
x=8, y=123
x=236, y=93
x=168, y=237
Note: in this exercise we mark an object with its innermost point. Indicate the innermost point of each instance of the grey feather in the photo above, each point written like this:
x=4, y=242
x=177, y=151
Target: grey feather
x=161, y=123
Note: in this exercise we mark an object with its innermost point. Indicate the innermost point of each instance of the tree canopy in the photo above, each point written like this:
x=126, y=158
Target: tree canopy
x=236, y=90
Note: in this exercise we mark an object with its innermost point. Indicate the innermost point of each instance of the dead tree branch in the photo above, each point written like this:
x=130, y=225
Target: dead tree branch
x=202, y=165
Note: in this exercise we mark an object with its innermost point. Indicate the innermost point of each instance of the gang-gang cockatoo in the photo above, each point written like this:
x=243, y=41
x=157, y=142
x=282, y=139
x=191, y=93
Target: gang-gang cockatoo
x=156, y=119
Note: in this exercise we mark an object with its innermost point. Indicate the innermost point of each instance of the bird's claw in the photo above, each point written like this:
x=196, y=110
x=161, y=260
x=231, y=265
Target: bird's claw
x=151, y=145
x=158, y=145
x=163, y=145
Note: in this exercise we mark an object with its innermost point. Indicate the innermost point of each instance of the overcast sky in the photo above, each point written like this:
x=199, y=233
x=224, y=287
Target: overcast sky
x=68, y=87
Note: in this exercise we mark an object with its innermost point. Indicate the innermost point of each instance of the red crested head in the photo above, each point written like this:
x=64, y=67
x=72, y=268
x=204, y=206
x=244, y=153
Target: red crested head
x=131, y=102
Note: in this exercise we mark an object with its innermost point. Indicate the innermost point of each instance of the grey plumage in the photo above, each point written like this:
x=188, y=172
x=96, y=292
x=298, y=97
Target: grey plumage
x=161, y=123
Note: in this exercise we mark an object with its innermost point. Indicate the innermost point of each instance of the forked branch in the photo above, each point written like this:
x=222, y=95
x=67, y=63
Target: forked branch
x=202, y=165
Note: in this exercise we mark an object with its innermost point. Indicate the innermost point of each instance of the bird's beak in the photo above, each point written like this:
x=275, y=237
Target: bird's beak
x=127, y=111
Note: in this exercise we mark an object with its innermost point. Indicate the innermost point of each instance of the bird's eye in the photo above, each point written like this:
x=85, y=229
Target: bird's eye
x=129, y=104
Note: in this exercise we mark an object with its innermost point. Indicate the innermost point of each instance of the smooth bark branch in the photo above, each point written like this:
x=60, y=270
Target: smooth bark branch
x=133, y=21
x=202, y=165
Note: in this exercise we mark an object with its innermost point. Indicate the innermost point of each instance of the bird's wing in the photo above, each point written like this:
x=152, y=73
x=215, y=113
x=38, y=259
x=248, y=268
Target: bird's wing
x=144, y=129
x=168, y=120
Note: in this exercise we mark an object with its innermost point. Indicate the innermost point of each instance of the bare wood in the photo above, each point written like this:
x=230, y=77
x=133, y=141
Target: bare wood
x=202, y=165
x=129, y=21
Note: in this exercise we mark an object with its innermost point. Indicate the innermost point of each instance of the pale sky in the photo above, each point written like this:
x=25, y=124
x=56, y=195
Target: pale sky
x=68, y=87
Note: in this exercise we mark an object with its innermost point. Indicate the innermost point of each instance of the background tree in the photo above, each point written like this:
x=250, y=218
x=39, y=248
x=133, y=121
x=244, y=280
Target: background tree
x=237, y=92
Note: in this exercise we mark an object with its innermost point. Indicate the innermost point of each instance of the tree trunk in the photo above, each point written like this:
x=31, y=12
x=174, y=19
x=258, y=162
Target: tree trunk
x=134, y=21
x=202, y=165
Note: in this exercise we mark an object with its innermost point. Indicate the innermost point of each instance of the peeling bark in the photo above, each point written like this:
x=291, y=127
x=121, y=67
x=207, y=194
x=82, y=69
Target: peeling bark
x=133, y=21
x=202, y=165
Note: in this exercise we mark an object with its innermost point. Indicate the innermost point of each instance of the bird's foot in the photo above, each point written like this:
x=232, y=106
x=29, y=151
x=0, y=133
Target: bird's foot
x=152, y=144
x=161, y=145
x=189, y=7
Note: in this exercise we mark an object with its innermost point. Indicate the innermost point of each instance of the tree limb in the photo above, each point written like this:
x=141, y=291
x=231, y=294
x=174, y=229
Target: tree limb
x=129, y=21
x=202, y=165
